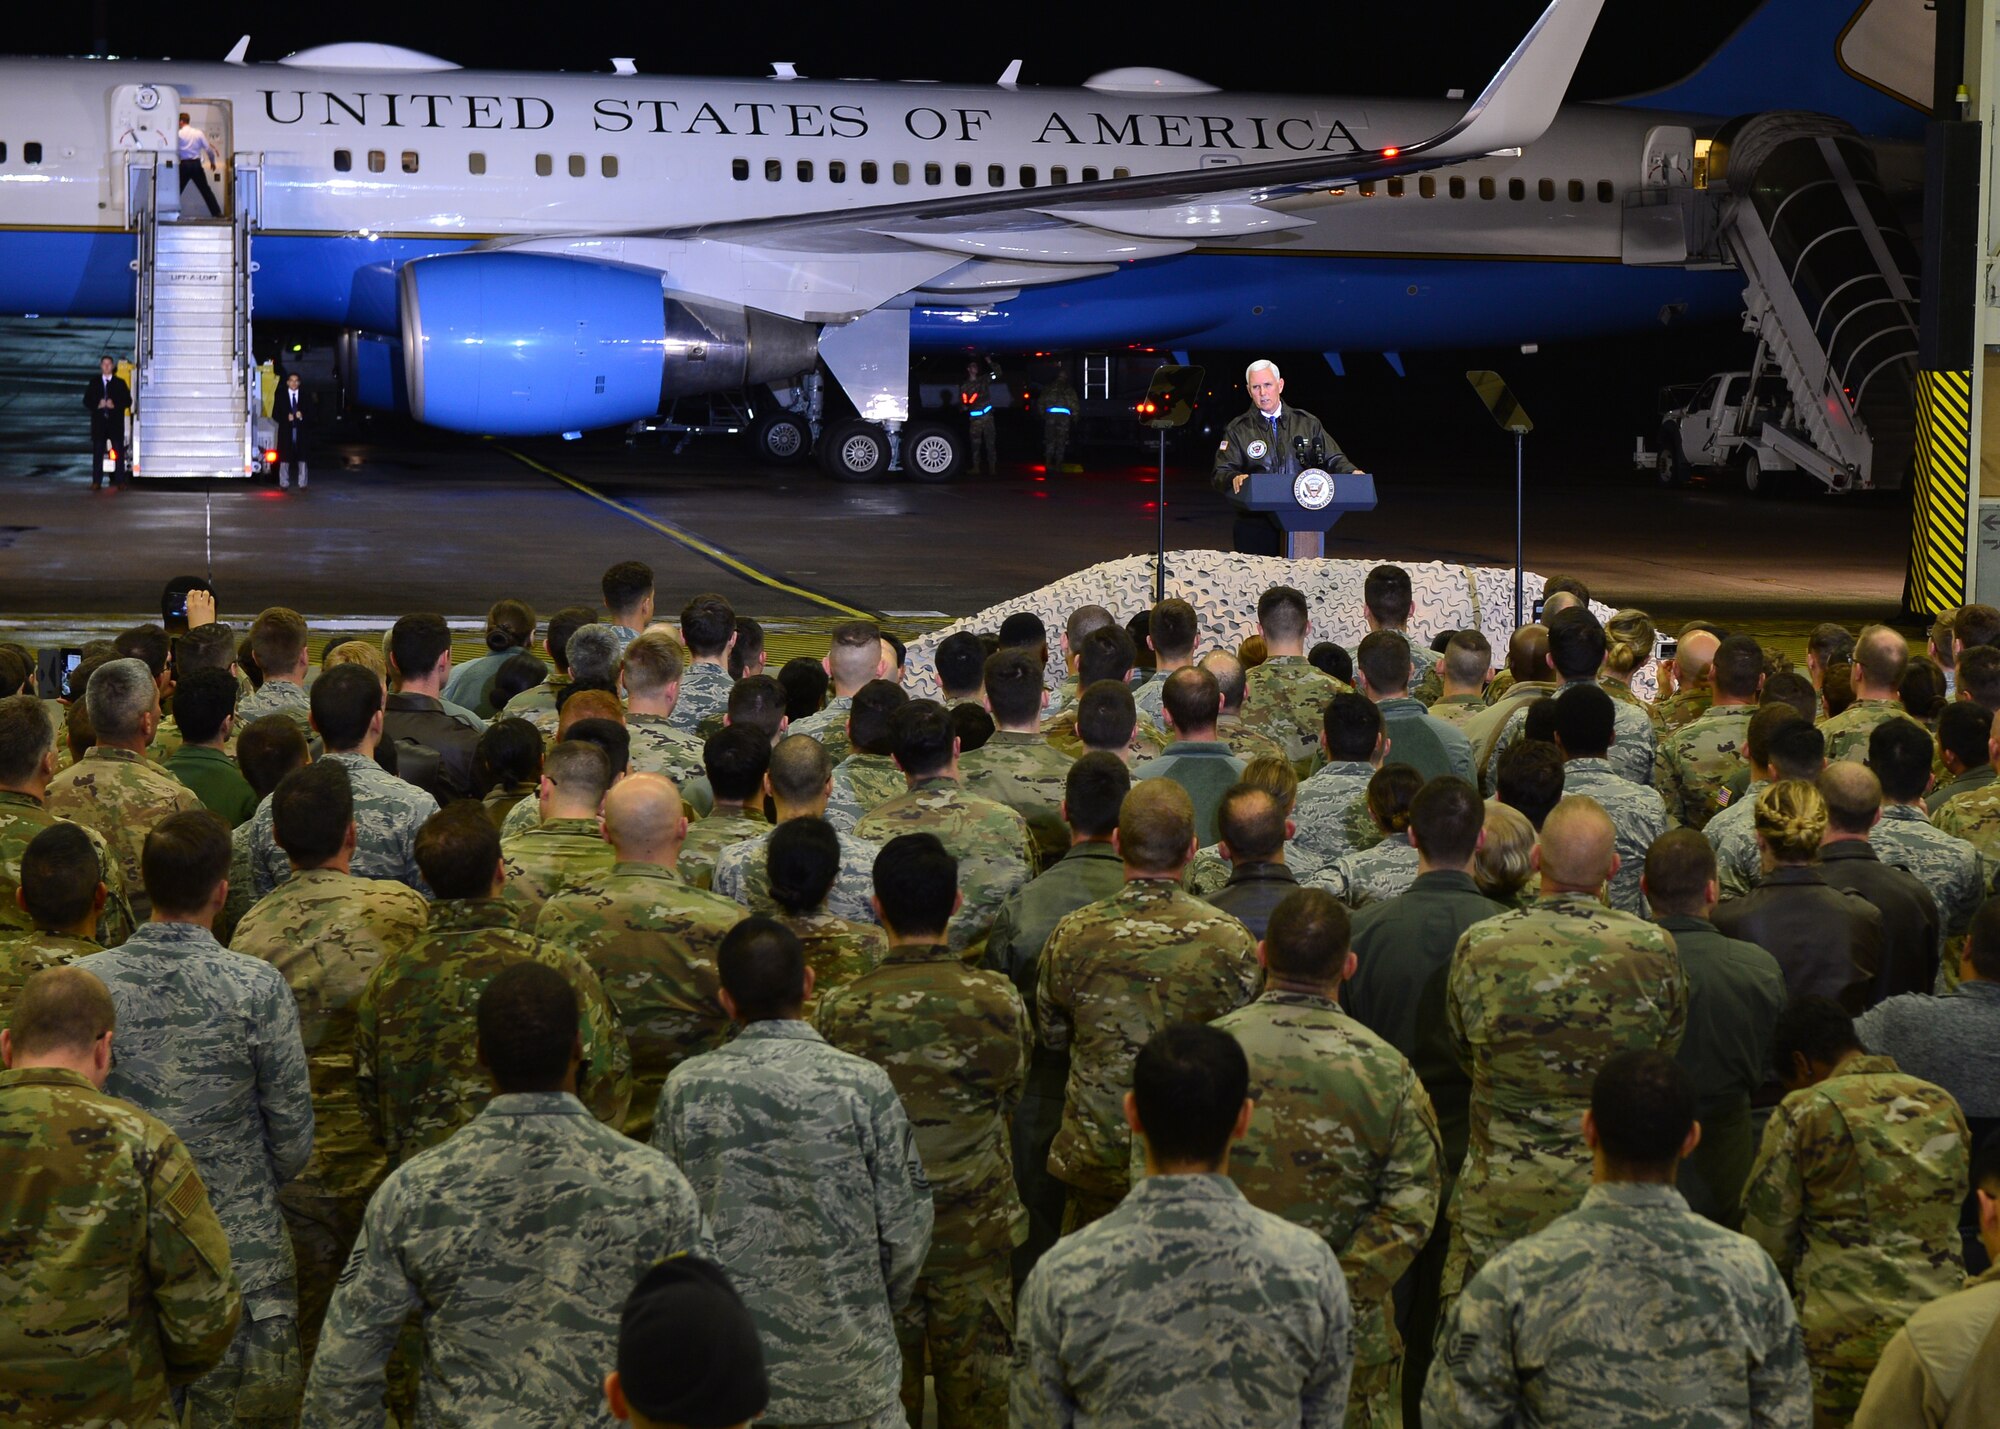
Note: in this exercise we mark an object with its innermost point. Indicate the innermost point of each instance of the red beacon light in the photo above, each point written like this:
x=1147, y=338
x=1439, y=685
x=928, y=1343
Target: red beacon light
x=1391, y=152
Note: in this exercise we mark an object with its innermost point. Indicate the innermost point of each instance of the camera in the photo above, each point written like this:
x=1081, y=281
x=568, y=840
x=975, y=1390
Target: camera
x=1540, y=601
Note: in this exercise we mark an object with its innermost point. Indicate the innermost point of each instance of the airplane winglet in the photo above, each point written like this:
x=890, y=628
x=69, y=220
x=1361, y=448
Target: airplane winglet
x=624, y=66
x=235, y=56
x=784, y=69
x=1520, y=102
x=1011, y=76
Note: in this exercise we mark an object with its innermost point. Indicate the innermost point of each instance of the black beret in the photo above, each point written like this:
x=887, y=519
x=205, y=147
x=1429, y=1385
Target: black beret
x=687, y=1348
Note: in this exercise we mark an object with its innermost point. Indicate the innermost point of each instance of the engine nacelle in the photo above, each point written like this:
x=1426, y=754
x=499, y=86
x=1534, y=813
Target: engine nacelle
x=527, y=344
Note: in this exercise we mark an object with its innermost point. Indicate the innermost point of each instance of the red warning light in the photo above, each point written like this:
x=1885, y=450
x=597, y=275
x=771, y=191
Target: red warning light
x=1391, y=152
x=272, y=455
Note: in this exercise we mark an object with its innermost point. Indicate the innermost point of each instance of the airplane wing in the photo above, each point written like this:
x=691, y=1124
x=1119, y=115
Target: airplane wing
x=982, y=246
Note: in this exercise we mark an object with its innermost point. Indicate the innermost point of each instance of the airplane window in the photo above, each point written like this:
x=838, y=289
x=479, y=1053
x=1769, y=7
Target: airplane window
x=1090, y=176
x=31, y=153
x=869, y=173
x=608, y=166
x=836, y=172
x=1576, y=190
x=3, y=151
x=805, y=171
x=1605, y=192
x=1121, y=173
x=409, y=161
x=378, y=162
x=1517, y=188
x=962, y=175
x=1427, y=187
x=774, y=169
x=475, y=163
x=577, y=166
x=933, y=174
x=342, y=161
x=900, y=172
x=544, y=166
x=1395, y=188
x=1546, y=190
x=1027, y=176
x=1486, y=186
x=1457, y=186
x=1058, y=175
x=996, y=176
x=739, y=169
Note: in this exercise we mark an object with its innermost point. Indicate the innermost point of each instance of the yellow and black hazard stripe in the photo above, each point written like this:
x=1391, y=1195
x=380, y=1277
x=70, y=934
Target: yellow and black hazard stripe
x=1942, y=496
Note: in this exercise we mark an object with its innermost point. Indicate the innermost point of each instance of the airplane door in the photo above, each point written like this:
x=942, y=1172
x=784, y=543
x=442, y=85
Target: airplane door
x=1669, y=157
x=213, y=118
x=144, y=118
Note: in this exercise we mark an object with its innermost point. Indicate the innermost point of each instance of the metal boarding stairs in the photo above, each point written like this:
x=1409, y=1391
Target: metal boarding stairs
x=196, y=393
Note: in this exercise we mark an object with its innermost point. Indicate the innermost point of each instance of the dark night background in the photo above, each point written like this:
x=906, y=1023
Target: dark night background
x=1395, y=48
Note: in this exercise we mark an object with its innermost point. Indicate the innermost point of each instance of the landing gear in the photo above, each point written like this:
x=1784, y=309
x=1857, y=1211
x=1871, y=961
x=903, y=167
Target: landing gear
x=932, y=451
x=780, y=437
x=855, y=450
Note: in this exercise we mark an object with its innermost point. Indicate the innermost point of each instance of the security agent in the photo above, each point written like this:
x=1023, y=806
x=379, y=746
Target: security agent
x=1271, y=436
x=107, y=398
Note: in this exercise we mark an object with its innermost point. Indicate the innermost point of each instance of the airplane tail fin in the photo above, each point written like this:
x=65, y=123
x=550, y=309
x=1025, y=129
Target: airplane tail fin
x=1865, y=61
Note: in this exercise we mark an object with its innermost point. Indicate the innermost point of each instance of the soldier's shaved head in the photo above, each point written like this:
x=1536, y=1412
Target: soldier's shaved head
x=643, y=818
x=1578, y=844
x=1156, y=827
x=1528, y=652
x=1229, y=678
x=1691, y=659
x=799, y=770
x=61, y=1012
x=1853, y=796
x=1880, y=657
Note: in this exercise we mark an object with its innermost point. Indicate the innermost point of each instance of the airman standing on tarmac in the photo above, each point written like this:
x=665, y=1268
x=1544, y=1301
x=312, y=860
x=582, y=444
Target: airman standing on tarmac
x=975, y=394
x=1059, y=405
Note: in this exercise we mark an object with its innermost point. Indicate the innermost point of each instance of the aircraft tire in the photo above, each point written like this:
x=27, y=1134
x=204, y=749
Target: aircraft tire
x=932, y=452
x=855, y=450
x=780, y=438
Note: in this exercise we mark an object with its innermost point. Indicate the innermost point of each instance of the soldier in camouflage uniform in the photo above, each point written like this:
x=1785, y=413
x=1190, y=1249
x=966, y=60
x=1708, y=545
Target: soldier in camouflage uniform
x=1779, y=744
x=114, y=788
x=1344, y=1141
x=989, y=840
x=1630, y=1309
x=1286, y=696
x=1455, y=689
x=799, y=782
x=955, y=1042
x=27, y=762
x=1584, y=715
x=867, y=778
x=1856, y=1195
x=1880, y=658
x=1975, y=818
x=1017, y=766
x=347, y=712
x=1374, y=875
x=1576, y=653
x=208, y=1041
x=855, y=655
x=1208, y=870
x=555, y=644
x=651, y=678
x=1186, y=1304
x=650, y=938
x=801, y=863
x=1105, y=655
x=708, y=629
x=1536, y=1002
x=1331, y=810
x=1244, y=740
x=117, y=1270
x=518, y=1239
x=737, y=759
x=1696, y=760
x=1946, y=865
x=325, y=931
x=416, y=1071
x=1116, y=972
x=1172, y=631
x=278, y=644
x=568, y=844
x=62, y=897
x=807, y=1169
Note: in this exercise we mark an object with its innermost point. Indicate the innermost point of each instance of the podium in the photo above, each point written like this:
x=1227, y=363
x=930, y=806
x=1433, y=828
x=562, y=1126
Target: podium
x=1306, y=504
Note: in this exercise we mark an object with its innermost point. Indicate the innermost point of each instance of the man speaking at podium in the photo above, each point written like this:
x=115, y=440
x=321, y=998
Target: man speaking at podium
x=1271, y=436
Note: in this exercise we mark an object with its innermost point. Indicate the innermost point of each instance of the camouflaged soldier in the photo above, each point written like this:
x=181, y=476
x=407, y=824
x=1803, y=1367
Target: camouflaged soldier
x=1017, y=766
x=1880, y=658
x=1104, y=718
x=278, y=644
x=989, y=840
x=1856, y=1195
x=27, y=763
x=651, y=939
x=1536, y=1001
x=118, y=1274
x=802, y=1156
x=1696, y=760
x=799, y=782
x=1106, y=655
x=347, y=712
x=854, y=656
x=208, y=1041
x=540, y=698
x=1387, y=599
x=737, y=759
x=1245, y=741
x=1630, y=1309
x=1186, y=1304
x=1460, y=677
x=62, y=896
x=1332, y=806
x=114, y=788
x=955, y=1042
x=708, y=629
x=1286, y=696
x=1576, y=654
x=1374, y=875
x=416, y=1070
x=1684, y=688
x=1778, y=744
x=1172, y=631
x=801, y=862
x=1584, y=719
x=1116, y=972
x=1963, y=760
x=867, y=778
x=326, y=931
x=517, y=1239
x=1344, y=1141
x=1629, y=641
x=1946, y=865
x=651, y=678
x=568, y=844
x=1208, y=871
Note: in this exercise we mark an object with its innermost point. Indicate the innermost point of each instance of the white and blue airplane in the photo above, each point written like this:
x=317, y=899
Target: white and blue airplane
x=535, y=253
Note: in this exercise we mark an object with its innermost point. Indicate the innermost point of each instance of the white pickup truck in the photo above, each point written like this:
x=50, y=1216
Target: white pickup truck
x=1722, y=426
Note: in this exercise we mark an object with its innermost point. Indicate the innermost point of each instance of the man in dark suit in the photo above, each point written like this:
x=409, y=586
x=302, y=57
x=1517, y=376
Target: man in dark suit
x=107, y=399
x=288, y=410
